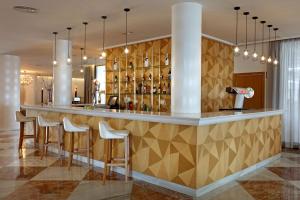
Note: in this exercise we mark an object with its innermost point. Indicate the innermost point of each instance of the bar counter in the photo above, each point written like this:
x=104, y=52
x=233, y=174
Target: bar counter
x=189, y=153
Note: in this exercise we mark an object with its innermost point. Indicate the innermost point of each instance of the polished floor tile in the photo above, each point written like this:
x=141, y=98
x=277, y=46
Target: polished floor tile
x=19, y=173
x=34, y=162
x=274, y=190
x=261, y=175
x=96, y=174
x=90, y=190
x=42, y=190
x=7, y=187
x=62, y=173
x=287, y=173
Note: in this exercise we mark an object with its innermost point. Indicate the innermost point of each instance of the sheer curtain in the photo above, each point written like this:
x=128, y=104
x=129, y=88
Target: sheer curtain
x=289, y=91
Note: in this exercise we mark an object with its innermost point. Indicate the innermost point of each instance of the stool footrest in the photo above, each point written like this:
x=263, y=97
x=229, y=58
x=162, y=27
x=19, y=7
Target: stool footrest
x=115, y=164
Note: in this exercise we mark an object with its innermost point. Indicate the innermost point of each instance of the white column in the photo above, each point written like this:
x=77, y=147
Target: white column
x=62, y=75
x=9, y=91
x=186, y=57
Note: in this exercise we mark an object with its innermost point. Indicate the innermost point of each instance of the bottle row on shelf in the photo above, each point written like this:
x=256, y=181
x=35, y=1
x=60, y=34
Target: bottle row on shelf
x=144, y=77
x=146, y=63
x=146, y=89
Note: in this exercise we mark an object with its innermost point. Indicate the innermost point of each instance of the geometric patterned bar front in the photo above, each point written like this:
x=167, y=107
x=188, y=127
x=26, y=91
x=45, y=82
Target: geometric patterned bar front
x=187, y=155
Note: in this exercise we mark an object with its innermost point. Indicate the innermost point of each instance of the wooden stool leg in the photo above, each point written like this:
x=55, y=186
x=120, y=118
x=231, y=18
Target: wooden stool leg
x=71, y=150
x=59, y=141
x=126, y=151
x=47, y=139
x=34, y=132
x=22, y=125
x=88, y=147
x=44, y=132
x=109, y=155
x=105, y=159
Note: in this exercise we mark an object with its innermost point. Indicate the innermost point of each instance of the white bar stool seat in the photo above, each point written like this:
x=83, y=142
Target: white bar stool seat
x=109, y=134
x=46, y=124
x=73, y=128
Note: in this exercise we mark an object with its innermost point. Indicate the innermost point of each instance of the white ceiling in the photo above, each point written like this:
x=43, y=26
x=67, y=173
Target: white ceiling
x=30, y=35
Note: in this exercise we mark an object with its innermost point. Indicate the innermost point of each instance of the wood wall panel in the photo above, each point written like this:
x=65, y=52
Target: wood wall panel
x=217, y=71
x=187, y=155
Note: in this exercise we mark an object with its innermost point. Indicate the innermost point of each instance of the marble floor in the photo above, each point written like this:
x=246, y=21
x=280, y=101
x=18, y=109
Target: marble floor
x=24, y=176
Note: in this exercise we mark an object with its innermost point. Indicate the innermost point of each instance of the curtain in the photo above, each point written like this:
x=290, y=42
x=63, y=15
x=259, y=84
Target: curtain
x=289, y=91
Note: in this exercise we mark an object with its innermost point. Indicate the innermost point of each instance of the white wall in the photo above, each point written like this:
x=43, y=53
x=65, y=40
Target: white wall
x=245, y=66
x=31, y=94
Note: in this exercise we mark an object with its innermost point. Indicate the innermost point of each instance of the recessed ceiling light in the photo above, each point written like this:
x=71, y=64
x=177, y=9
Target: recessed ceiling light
x=25, y=9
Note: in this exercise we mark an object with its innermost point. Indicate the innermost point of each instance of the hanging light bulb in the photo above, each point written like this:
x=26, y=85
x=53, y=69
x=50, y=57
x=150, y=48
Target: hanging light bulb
x=262, y=58
x=69, y=60
x=54, y=59
x=84, y=53
x=246, y=52
x=103, y=53
x=275, y=62
x=236, y=49
x=126, y=50
x=270, y=57
x=254, y=55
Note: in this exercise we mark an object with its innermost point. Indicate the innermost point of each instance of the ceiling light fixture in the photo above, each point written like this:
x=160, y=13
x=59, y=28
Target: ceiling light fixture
x=236, y=48
x=69, y=60
x=254, y=55
x=103, y=54
x=54, y=59
x=126, y=50
x=84, y=53
x=269, y=58
x=25, y=9
x=246, y=52
x=263, y=58
x=275, y=62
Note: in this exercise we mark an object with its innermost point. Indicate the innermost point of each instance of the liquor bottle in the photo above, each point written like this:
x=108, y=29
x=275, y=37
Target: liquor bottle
x=169, y=75
x=148, y=89
x=127, y=78
x=161, y=76
x=130, y=65
x=115, y=65
x=116, y=79
x=150, y=77
x=143, y=77
x=169, y=89
x=167, y=59
x=154, y=89
x=159, y=89
x=146, y=61
x=164, y=89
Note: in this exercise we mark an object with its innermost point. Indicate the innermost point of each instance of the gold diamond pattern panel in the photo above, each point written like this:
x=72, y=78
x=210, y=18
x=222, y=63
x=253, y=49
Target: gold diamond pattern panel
x=187, y=155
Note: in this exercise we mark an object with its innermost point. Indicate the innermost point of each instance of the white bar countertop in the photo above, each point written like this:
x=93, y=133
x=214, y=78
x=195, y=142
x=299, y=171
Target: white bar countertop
x=170, y=118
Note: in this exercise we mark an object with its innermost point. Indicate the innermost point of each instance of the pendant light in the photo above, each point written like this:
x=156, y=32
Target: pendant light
x=69, y=60
x=275, y=62
x=126, y=50
x=54, y=59
x=246, y=52
x=269, y=58
x=236, y=49
x=254, y=55
x=84, y=49
x=263, y=58
x=81, y=57
x=103, y=54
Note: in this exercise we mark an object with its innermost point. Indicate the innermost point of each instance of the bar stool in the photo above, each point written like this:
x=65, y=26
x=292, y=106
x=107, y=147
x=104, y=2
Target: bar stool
x=72, y=129
x=23, y=119
x=109, y=134
x=46, y=124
